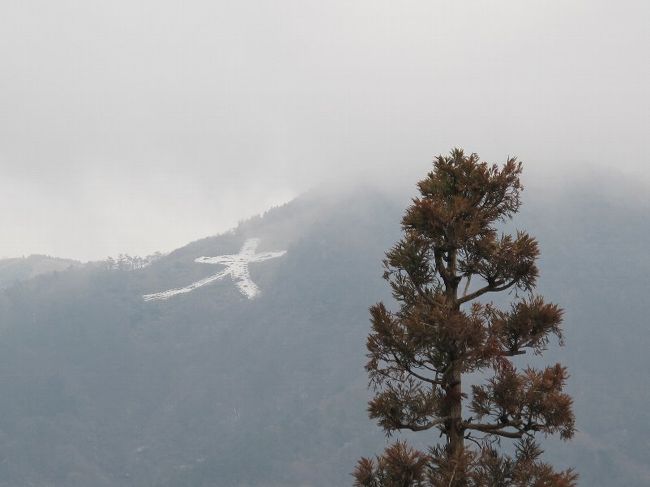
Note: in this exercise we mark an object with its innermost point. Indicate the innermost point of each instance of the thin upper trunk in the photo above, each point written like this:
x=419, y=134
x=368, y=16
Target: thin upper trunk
x=455, y=437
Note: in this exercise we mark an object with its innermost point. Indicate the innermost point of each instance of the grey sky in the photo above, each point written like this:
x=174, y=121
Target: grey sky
x=135, y=126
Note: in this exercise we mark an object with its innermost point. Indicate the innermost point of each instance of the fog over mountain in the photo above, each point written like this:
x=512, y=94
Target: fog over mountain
x=99, y=387
x=245, y=165
x=149, y=124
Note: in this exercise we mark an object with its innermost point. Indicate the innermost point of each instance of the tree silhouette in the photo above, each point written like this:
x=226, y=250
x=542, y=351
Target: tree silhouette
x=450, y=255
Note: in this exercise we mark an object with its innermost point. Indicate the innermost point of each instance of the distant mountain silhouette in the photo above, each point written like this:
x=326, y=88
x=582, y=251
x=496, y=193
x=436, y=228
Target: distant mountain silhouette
x=23, y=268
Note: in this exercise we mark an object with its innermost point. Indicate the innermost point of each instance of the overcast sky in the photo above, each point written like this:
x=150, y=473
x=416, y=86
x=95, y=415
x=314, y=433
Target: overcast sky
x=136, y=126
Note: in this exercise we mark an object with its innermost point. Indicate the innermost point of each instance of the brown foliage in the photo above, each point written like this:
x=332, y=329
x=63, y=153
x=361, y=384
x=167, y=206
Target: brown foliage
x=399, y=466
x=406, y=467
x=450, y=255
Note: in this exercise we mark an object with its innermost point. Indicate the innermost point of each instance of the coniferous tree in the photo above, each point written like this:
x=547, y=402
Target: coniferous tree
x=451, y=254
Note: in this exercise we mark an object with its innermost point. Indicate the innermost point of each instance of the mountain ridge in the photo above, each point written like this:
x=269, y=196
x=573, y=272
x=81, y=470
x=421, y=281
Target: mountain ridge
x=212, y=388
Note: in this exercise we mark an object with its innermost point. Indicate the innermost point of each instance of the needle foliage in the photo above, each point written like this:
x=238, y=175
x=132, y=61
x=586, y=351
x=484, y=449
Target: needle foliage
x=451, y=259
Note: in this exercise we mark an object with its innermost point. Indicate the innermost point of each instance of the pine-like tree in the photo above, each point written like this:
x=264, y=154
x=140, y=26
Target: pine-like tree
x=450, y=255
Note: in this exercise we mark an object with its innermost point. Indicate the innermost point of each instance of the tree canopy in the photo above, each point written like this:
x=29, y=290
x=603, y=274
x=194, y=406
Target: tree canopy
x=451, y=254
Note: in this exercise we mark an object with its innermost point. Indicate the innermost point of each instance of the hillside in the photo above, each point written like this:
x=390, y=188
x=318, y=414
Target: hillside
x=101, y=387
x=24, y=268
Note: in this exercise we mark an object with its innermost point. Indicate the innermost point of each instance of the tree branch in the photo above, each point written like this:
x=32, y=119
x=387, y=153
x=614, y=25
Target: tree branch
x=440, y=266
x=498, y=428
x=408, y=370
x=512, y=353
x=423, y=427
x=489, y=288
x=469, y=280
x=495, y=429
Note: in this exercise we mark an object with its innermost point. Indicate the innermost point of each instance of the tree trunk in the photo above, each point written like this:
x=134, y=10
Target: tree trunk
x=454, y=396
x=454, y=393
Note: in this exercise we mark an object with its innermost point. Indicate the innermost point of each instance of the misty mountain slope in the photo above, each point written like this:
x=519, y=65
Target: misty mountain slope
x=595, y=263
x=100, y=388
x=208, y=384
x=23, y=268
